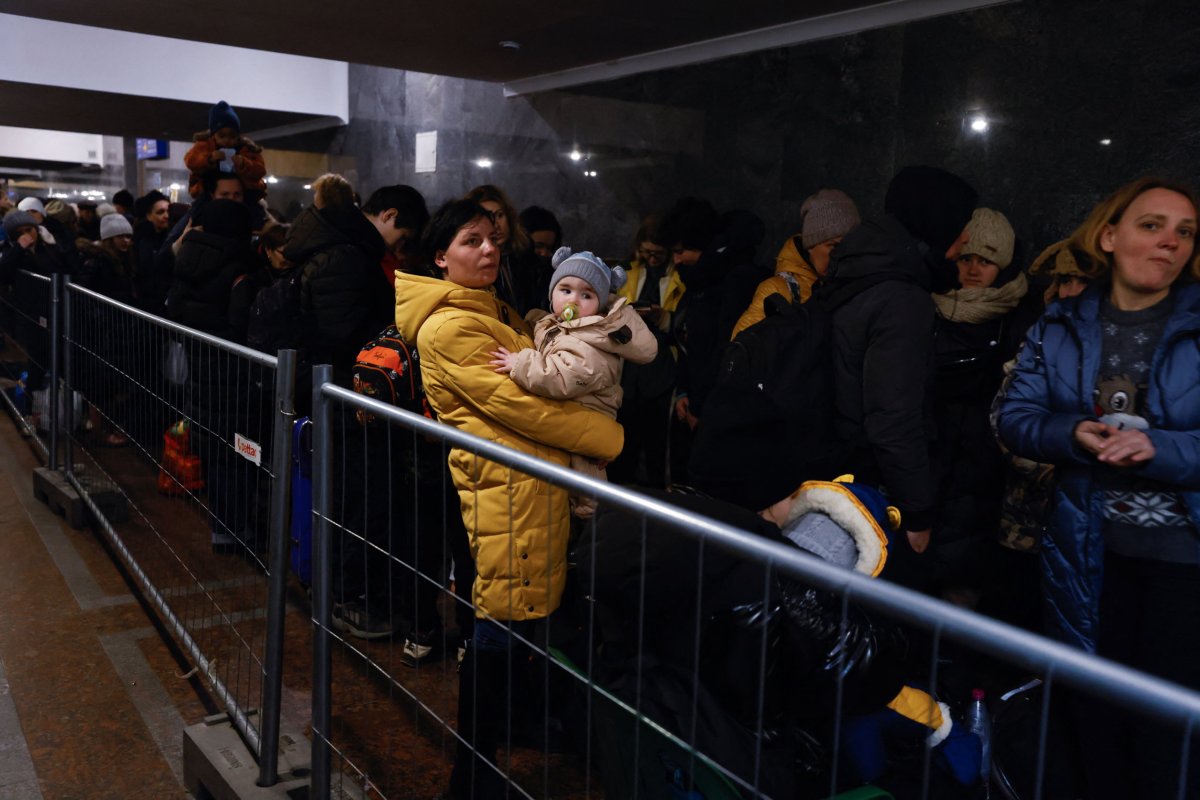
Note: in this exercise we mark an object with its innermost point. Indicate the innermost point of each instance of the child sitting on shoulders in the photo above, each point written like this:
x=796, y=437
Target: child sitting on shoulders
x=579, y=347
x=223, y=148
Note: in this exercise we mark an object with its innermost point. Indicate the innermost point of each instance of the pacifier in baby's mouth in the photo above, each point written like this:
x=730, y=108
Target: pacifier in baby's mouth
x=570, y=311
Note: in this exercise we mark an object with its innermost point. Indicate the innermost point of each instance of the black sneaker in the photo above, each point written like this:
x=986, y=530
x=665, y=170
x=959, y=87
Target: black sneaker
x=355, y=619
x=423, y=648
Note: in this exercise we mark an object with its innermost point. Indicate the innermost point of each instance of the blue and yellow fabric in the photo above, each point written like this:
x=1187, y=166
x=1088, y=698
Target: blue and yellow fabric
x=912, y=715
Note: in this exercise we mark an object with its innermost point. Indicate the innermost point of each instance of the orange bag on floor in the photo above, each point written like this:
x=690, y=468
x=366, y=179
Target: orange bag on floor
x=180, y=470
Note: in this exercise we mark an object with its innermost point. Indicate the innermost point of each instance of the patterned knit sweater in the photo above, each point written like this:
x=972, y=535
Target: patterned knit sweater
x=1143, y=518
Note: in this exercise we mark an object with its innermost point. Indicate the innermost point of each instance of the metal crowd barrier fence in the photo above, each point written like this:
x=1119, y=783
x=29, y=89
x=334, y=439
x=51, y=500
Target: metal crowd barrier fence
x=603, y=707
x=195, y=433
x=24, y=322
x=636, y=724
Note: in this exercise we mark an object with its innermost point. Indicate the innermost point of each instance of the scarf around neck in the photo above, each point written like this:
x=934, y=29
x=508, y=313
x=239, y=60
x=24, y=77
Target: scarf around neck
x=974, y=306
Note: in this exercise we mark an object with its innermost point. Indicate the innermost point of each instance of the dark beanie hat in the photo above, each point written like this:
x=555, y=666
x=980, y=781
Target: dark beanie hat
x=142, y=206
x=932, y=204
x=227, y=218
x=123, y=198
x=222, y=115
x=692, y=222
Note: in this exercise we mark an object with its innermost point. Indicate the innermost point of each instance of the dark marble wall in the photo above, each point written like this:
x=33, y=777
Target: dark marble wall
x=762, y=131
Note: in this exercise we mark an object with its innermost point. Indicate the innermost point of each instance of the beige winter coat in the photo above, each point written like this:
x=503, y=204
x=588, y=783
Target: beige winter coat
x=581, y=360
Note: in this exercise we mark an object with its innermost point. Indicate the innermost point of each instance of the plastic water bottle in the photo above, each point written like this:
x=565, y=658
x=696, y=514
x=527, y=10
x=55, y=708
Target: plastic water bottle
x=979, y=722
x=21, y=397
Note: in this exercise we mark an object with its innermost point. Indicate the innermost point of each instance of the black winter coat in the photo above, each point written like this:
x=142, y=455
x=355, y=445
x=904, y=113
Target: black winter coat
x=147, y=242
x=719, y=287
x=102, y=272
x=803, y=630
x=205, y=270
x=969, y=368
x=530, y=284
x=345, y=298
x=883, y=361
x=28, y=300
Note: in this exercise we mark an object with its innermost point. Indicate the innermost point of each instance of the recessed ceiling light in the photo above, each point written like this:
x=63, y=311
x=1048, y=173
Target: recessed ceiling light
x=308, y=186
x=508, y=44
x=979, y=124
x=1106, y=142
x=483, y=163
x=272, y=179
x=576, y=155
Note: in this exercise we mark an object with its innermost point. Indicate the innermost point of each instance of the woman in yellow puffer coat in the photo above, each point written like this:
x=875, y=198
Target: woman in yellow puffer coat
x=517, y=524
x=826, y=217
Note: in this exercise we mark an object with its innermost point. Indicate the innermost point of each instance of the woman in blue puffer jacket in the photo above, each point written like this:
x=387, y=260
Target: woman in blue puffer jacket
x=1107, y=389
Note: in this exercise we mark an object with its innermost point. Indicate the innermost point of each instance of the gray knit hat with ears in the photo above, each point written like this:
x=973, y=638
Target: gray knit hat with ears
x=586, y=266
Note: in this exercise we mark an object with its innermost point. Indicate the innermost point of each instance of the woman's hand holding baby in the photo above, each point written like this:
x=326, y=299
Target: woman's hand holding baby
x=503, y=360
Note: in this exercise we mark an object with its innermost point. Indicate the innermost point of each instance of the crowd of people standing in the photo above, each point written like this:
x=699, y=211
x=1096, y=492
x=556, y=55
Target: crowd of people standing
x=1022, y=415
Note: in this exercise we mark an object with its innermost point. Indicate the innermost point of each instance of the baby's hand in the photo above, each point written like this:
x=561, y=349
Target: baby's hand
x=216, y=155
x=503, y=360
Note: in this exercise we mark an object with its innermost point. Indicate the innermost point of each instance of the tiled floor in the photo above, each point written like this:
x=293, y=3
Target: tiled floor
x=93, y=701
x=89, y=700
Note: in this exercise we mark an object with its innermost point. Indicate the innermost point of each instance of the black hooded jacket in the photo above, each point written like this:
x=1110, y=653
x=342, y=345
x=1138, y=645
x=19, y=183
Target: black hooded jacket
x=345, y=299
x=883, y=318
x=719, y=287
x=103, y=272
x=205, y=270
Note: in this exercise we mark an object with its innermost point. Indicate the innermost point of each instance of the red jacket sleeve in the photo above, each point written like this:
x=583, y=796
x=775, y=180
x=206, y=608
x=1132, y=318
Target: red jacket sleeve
x=197, y=156
x=253, y=168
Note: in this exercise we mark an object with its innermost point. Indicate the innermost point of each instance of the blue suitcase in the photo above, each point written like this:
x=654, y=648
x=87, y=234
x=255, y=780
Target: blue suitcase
x=301, y=532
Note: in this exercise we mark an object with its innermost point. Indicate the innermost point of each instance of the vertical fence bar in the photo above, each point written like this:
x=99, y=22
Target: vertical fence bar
x=65, y=330
x=281, y=505
x=322, y=716
x=55, y=301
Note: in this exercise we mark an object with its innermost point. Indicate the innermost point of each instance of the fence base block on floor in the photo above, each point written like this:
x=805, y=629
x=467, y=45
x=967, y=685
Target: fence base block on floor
x=218, y=765
x=107, y=497
x=51, y=487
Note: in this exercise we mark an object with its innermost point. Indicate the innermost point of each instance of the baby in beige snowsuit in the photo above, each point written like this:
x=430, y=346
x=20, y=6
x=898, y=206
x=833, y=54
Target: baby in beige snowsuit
x=579, y=348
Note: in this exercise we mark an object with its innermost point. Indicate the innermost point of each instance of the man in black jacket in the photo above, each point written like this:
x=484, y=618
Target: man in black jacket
x=878, y=289
x=345, y=299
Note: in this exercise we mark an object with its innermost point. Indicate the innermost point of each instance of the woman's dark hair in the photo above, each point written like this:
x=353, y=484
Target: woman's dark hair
x=650, y=231
x=518, y=239
x=124, y=260
x=273, y=237
x=143, y=205
x=536, y=218
x=445, y=223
